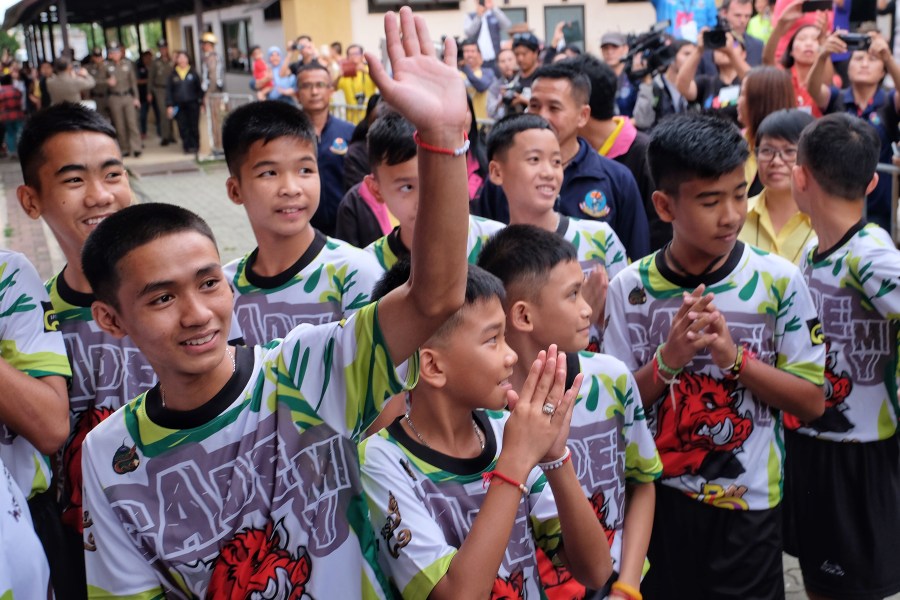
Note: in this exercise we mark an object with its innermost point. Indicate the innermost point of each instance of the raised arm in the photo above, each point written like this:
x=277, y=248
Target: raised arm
x=817, y=80
x=685, y=83
x=431, y=95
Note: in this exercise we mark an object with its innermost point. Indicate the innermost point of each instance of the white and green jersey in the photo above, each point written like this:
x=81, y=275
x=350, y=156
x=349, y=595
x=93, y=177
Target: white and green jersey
x=106, y=373
x=856, y=288
x=24, y=572
x=423, y=504
x=330, y=282
x=719, y=443
x=255, y=494
x=595, y=242
x=29, y=342
x=610, y=443
x=388, y=249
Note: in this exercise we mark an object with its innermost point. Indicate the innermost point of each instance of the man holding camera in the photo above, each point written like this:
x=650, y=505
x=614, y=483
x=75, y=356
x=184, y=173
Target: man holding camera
x=614, y=49
x=356, y=83
x=485, y=26
x=715, y=92
x=502, y=90
x=737, y=16
x=68, y=82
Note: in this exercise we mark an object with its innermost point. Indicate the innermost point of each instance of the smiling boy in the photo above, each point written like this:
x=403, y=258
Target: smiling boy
x=238, y=475
x=296, y=274
x=721, y=338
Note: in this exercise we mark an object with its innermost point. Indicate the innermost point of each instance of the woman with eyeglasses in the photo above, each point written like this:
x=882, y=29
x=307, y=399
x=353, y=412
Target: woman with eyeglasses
x=774, y=223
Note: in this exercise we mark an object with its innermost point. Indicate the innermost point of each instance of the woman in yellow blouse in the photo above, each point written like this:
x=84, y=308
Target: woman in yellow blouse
x=774, y=223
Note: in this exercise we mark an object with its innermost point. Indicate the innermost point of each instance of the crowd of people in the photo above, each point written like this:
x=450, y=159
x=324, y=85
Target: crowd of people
x=637, y=338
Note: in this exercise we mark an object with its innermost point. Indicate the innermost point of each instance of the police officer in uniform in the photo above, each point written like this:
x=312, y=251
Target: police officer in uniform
x=123, y=100
x=211, y=74
x=97, y=68
x=160, y=71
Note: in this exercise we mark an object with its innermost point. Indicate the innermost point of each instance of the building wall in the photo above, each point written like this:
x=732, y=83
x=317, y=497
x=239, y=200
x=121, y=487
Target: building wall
x=599, y=17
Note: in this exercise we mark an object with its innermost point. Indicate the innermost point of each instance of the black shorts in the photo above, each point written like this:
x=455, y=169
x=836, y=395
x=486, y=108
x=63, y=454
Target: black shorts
x=699, y=551
x=842, y=515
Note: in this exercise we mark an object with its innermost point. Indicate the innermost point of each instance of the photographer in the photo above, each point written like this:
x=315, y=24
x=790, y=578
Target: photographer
x=501, y=92
x=485, y=26
x=658, y=96
x=478, y=80
x=526, y=48
x=67, y=82
x=614, y=48
x=355, y=82
x=715, y=92
x=866, y=98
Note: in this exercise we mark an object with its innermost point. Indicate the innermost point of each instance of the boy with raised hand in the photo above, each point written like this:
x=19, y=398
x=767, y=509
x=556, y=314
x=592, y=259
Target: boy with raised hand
x=841, y=498
x=612, y=449
x=447, y=480
x=525, y=161
x=722, y=338
x=73, y=179
x=593, y=187
x=238, y=475
x=394, y=181
x=296, y=274
x=34, y=419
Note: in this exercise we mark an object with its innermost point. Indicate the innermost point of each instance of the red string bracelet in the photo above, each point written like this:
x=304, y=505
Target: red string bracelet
x=438, y=150
x=490, y=475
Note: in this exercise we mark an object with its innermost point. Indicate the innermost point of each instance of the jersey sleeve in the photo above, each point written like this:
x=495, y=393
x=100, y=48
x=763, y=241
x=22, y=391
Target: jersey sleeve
x=416, y=553
x=29, y=340
x=356, y=280
x=616, y=341
x=876, y=275
x=115, y=568
x=342, y=372
x=642, y=462
x=799, y=345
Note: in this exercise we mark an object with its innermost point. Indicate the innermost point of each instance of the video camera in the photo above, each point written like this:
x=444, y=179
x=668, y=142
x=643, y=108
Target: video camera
x=654, y=50
x=717, y=36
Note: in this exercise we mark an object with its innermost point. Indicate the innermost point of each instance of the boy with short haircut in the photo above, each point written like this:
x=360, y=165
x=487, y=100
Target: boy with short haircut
x=525, y=161
x=613, y=451
x=425, y=475
x=853, y=272
x=722, y=338
x=238, y=474
x=73, y=179
x=393, y=157
x=296, y=274
x=34, y=421
x=593, y=187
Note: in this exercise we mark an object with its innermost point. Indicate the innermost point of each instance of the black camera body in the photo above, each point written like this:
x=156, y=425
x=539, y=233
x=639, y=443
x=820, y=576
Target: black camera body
x=653, y=49
x=856, y=41
x=717, y=36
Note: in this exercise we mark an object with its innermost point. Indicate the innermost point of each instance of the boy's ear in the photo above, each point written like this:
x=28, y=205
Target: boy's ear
x=664, y=205
x=519, y=317
x=872, y=184
x=495, y=173
x=108, y=319
x=233, y=187
x=372, y=183
x=29, y=200
x=431, y=369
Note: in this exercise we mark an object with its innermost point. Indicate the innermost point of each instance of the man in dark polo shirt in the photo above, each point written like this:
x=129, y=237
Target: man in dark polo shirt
x=594, y=187
x=315, y=87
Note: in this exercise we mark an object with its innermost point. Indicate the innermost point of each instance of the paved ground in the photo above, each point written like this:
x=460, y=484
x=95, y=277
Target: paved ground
x=165, y=175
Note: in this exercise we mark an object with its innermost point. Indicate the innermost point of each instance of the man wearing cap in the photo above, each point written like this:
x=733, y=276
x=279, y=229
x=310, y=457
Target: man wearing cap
x=211, y=75
x=614, y=47
x=124, y=101
x=485, y=26
x=526, y=48
x=98, y=69
x=67, y=83
x=160, y=71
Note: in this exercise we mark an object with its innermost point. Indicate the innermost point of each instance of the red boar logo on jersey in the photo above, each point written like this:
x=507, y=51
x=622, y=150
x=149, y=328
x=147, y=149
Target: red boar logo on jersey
x=255, y=565
x=837, y=389
x=601, y=508
x=700, y=435
x=84, y=423
x=509, y=588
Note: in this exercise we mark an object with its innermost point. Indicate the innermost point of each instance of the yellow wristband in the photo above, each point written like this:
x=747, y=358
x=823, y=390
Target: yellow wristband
x=624, y=588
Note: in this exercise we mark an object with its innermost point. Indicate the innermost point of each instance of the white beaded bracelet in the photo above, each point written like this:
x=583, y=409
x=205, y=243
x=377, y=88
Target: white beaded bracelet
x=555, y=464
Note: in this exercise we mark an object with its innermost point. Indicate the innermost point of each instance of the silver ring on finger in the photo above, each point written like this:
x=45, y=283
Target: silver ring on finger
x=548, y=409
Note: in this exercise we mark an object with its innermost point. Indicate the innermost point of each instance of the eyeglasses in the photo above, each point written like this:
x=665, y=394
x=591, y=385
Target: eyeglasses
x=768, y=154
x=527, y=38
x=314, y=85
